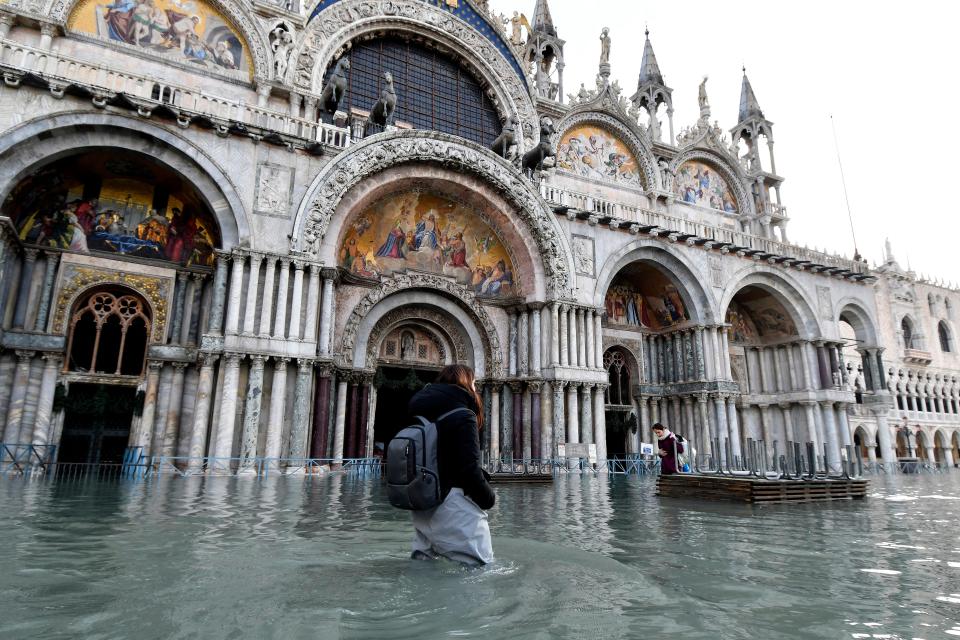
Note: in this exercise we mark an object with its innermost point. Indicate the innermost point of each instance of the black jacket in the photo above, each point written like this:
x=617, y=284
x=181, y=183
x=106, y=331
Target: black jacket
x=458, y=442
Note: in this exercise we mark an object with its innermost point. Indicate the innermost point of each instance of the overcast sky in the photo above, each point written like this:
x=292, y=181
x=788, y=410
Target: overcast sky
x=885, y=71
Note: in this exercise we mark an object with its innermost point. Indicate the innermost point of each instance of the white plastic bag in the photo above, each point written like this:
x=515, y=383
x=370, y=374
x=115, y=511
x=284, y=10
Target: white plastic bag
x=457, y=530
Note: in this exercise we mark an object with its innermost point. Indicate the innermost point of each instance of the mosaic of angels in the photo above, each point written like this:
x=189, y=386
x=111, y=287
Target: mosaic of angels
x=593, y=152
x=642, y=297
x=700, y=184
x=120, y=203
x=424, y=232
x=183, y=30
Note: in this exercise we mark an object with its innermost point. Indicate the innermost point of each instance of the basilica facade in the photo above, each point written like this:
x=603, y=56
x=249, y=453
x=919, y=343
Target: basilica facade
x=239, y=234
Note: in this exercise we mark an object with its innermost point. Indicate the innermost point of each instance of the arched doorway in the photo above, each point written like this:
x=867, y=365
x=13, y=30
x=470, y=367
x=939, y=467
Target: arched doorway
x=409, y=357
x=955, y=446
x=107, y=343
x=621, y=419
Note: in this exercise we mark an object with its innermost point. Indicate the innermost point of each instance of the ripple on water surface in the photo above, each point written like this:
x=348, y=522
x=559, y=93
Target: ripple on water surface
x=586, y=557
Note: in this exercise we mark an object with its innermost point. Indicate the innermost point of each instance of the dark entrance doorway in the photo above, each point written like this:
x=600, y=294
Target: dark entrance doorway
x=395, y=386
x=96, y=425
x=620, y=424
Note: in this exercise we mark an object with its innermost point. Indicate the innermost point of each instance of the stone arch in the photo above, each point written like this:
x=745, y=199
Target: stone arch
x=940, y=445
x=241, y=17
x=329, y=33
x=730, y=173
x=853, y=313
x=121, y=313
x=627, y=132
x=674, y=264
x=910, y=335
x=446, y=332
x=945, y=337
x=42, y=140
x=631, y=364
x=782, y=287
x=333, y=192
x=457, y=303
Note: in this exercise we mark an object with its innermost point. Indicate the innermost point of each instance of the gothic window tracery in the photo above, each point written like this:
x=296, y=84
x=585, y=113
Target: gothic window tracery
x=944, y=337
x=618, y=375
x=108, y=334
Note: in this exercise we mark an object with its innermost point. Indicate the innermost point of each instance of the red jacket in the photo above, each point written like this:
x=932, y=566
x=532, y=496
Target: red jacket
x=668, y=462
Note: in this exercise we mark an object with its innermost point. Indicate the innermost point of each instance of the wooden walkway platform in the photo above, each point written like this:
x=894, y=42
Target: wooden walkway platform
x=521, y=478
x=757, y=491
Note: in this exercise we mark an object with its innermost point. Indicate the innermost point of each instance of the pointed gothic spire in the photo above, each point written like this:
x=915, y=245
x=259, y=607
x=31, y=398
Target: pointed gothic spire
x=649, y=69
x=542, y=21
x=748, y=101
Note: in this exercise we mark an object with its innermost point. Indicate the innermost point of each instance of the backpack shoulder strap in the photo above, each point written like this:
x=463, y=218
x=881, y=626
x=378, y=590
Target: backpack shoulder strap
x=453, y=411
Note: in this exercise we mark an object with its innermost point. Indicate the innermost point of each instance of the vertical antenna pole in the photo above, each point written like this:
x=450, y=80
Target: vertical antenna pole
x=843, y=181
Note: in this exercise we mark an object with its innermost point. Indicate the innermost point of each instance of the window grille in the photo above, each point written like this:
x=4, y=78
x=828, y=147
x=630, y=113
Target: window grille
x=108, y=335
x=433, y=91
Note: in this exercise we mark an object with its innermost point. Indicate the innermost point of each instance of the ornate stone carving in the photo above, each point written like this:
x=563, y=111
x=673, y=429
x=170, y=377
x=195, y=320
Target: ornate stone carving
x=340, y=23
x=282, y=45
x=274, y=184
x=75, y=279
x=463, y=296
x=378, y=153
x=440, y=321
x=583, y=258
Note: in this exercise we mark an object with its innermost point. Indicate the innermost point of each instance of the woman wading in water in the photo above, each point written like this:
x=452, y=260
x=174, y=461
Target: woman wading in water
x=458, y=528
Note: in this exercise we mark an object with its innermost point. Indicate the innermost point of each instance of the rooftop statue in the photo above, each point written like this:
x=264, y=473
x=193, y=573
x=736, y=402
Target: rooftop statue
x=605, y=46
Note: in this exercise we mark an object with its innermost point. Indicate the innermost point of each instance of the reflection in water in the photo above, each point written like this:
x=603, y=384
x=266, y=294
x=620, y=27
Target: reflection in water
x=587, y=557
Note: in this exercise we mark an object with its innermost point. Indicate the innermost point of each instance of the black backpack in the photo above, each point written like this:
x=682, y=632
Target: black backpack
x=413, y=479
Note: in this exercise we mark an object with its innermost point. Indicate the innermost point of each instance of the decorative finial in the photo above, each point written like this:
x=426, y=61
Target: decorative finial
x=744, y=67
x=646, y=31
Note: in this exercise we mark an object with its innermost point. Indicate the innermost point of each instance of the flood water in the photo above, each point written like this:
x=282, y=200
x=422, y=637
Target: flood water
x=587, y=557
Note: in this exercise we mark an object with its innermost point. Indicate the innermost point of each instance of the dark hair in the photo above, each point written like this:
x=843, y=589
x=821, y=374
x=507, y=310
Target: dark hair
x=461, y=375
x=657, y=425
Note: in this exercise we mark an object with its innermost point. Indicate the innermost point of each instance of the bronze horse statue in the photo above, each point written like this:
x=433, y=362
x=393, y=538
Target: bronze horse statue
x=335, y=87
x=383, y=109
x=507, y=138
x=533, y=159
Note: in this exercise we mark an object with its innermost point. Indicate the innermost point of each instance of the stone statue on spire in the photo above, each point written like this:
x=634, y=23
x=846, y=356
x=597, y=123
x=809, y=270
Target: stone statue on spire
x=605, y=46
x=704, y=103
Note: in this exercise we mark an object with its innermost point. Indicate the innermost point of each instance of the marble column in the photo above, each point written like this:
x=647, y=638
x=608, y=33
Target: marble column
x=297, y=301
x=278, y=405
x=600, y=425
x=171, y=427
x=590, y=336
x=723, y=429
x=363, y=415
x=340, y=419
x=766, y=426
x=266, y=309
x=698, y=355
x=809, y=409
x=573, y=337
x=646, y=421
x=224, y=430
x=724, y=339
x=321, y=413
x=703, y=414
x=555, y=347
x=494, y=425
x=581, y=339
x=807, y=357
x=528, y=421
x=715, y=347
x=52, y=363
x=523, y=343
x=326, y=312
x=830, y=434
x=195, y=285
x=251, y=413
x=586, y=414
x=43, y=313
x=793, y=381
x=573, y=414
x=786, y=410
x=12, y=432
x=219, y=295
x=887, y=452
x=297, y=444
x=201, y=411
x=516, y=441
x=668, y=359
x=141, y=438
x=7, y=20
x=733, y=426
x=253, y=284
x=544, y=425
x=564, y=331
x=512, y=364
x=843, y=425
x=236, y=293
x=280, y=320
x=559, y=417
x=25, y=289
x=690, y=424
x=179, y=301
x=353, y=406
x=598, y=330
x=536, y=342
x=313, y=304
